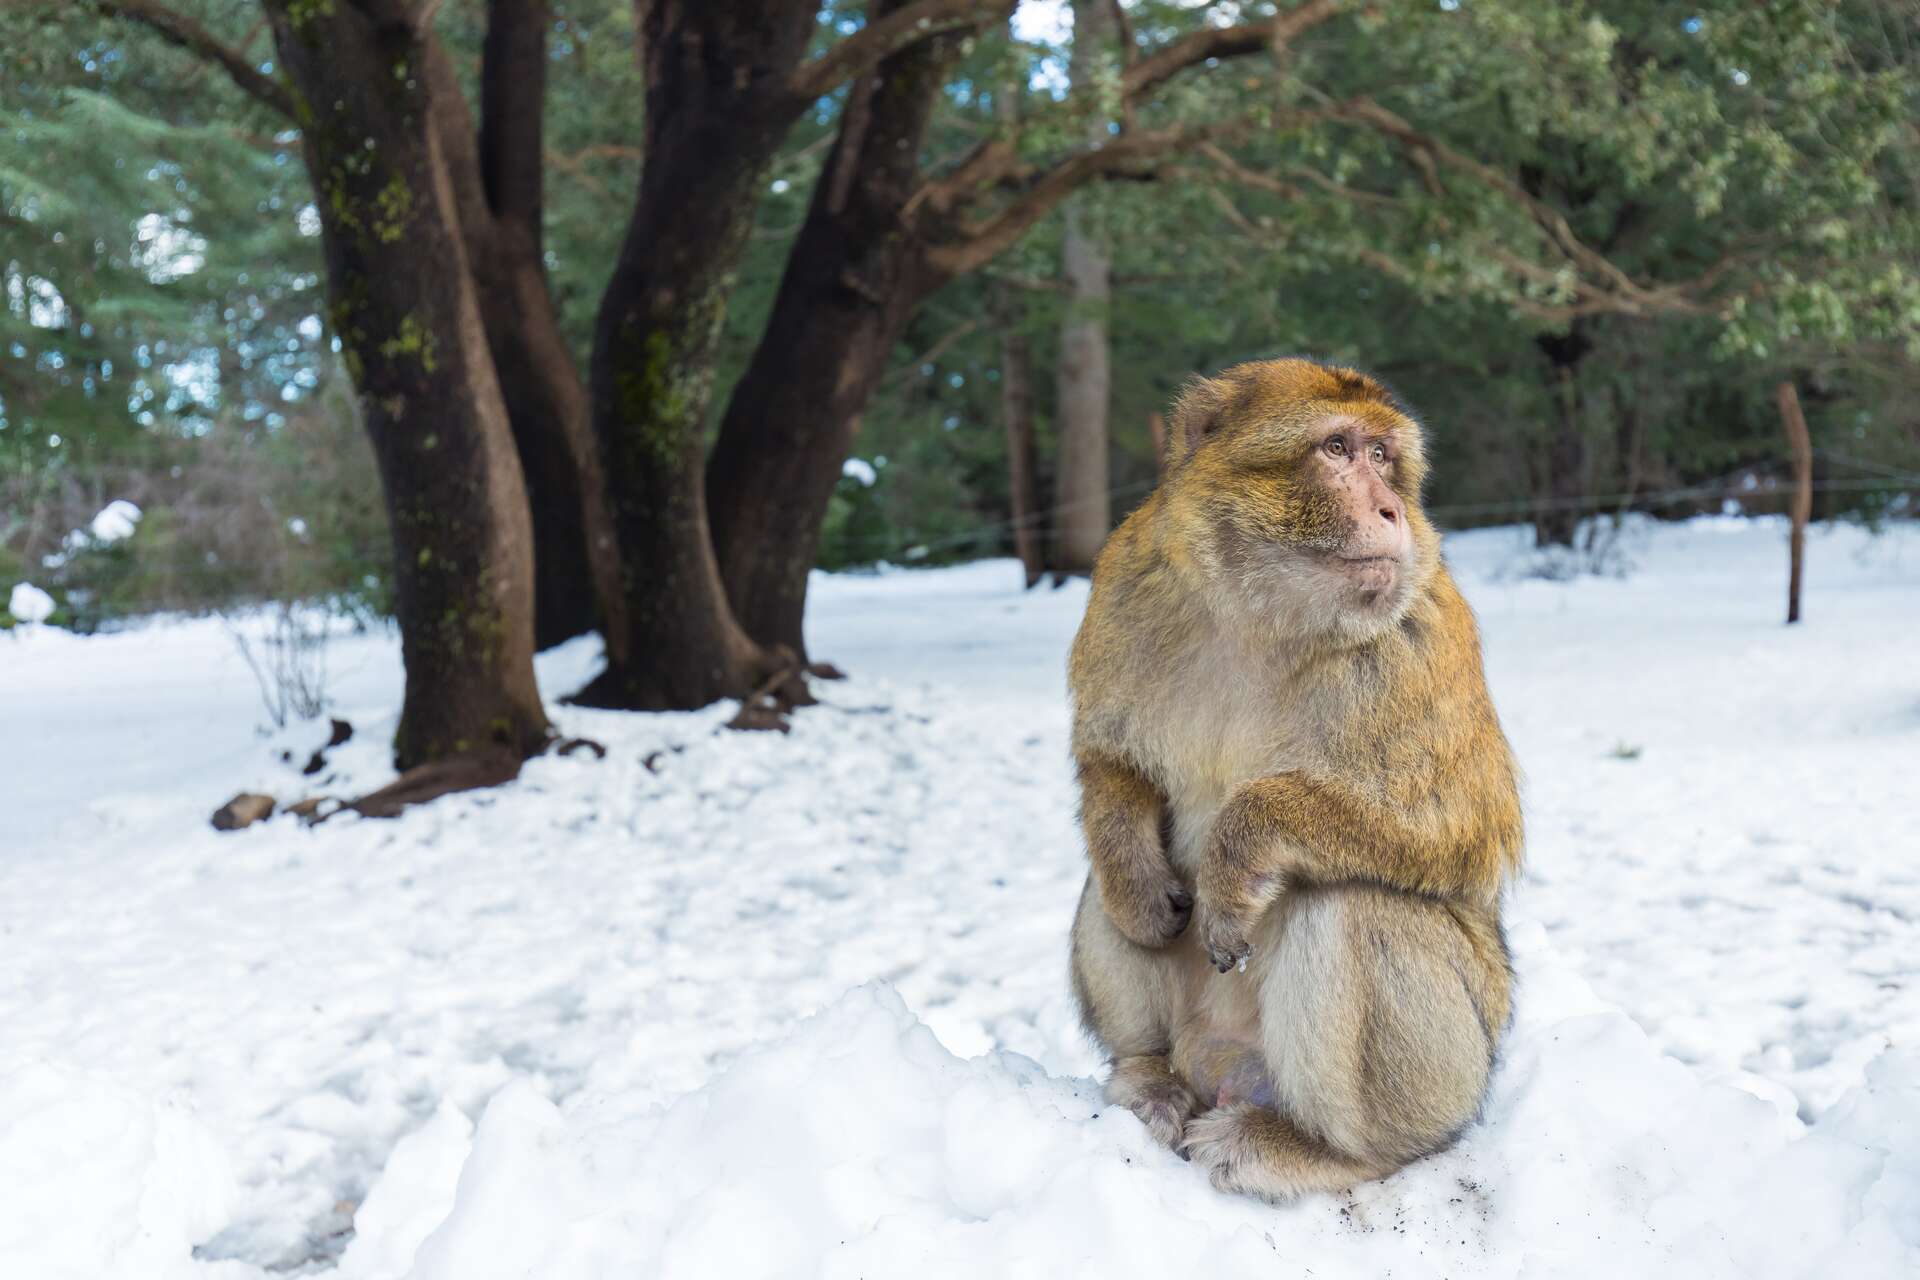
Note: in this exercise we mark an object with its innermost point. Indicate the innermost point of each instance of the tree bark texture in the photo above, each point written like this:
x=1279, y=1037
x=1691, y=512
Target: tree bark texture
x=499, y=187
x=402, y=302
x=853, y=281
x=718, y=103
x=1083, y=508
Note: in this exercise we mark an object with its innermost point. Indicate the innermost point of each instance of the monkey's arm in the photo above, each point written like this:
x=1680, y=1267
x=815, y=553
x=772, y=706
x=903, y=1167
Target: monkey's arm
x=1120, y=812
x=1457, y=841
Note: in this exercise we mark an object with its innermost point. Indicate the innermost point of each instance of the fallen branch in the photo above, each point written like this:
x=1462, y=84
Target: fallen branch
x=473, y=772
x=435, y=779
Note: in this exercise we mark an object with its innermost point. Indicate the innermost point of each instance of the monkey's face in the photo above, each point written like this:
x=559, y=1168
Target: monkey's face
x=1301, y=497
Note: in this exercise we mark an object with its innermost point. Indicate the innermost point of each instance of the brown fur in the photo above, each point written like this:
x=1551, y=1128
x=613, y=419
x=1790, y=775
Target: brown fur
x=1279, y=711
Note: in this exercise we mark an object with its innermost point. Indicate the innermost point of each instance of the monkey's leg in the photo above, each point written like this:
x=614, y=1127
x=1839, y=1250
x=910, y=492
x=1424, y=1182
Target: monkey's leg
x=1148, y=1087
x=1257, y=1151
x=1121, y=812
x=1128, y=1000
x=1375, y=1021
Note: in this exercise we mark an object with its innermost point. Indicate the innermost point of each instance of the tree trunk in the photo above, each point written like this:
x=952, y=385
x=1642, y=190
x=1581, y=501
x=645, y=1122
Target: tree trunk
x=1083, y=509
x=1801, y=446
x=402, y=302
x=576, y=557
x=852, y=283
x=1016, y=402
x=716, y=110
x=498, y=184
x=1558, y=517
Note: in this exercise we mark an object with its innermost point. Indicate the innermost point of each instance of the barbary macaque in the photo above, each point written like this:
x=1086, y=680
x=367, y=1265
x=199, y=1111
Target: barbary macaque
x=1284, y=739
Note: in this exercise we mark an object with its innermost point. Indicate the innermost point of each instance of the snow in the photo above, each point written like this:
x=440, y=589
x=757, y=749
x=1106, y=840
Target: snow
x=746, y=1004
x=115, y=521
x=28, y=603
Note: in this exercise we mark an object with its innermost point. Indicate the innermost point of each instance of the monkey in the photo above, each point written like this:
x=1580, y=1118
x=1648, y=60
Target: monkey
x=1298, y=803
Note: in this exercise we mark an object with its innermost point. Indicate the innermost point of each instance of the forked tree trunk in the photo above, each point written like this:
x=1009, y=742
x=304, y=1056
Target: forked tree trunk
x=402, y=303
x=576, y=557
x=499, y=188
x=1083, y=509
x=716, y=109
x=852, y=283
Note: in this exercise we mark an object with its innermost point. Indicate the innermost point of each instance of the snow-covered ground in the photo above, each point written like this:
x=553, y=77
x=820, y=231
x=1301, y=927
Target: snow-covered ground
x=741, y=1004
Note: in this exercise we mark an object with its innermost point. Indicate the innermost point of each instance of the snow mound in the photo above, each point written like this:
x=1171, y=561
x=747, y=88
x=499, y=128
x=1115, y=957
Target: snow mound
x=115, y=521
x=103, y=1184
x=28, y=603
x=858, y=1146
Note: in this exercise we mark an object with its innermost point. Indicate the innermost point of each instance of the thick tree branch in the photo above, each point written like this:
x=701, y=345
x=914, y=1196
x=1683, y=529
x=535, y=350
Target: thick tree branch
x=978, y=243
x=866, y=48
x=178, y=29
x=513, y=85
x=997, y=159
x=1148, y=74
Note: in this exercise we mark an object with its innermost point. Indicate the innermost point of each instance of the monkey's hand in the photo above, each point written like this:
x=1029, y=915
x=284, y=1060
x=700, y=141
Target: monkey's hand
x=1233, y=897
x=1147, y=903
x=1226, y=939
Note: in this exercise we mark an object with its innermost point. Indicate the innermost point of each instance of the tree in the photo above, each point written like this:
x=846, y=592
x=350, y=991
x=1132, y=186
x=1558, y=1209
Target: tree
x=499, y=182
x=402, y=299
x=1083, y=513
x=881, y=236
x=1734, y=171
x=726, y=82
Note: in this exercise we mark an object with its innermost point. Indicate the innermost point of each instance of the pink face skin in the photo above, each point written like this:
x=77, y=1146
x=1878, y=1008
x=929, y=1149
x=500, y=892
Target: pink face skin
x=1355, y=464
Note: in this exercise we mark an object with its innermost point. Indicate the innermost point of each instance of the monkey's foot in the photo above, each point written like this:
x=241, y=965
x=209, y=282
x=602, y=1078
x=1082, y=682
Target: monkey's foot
x=1147, y=1087
x=1257, y=1151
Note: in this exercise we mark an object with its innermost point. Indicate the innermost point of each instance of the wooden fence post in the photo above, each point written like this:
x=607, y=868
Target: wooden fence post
x=1802, y=508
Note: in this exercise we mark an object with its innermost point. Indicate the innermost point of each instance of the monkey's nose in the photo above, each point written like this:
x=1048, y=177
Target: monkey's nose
x=1389, y=515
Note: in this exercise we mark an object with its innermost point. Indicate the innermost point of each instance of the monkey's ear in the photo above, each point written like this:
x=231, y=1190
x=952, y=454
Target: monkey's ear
x=1197, y=413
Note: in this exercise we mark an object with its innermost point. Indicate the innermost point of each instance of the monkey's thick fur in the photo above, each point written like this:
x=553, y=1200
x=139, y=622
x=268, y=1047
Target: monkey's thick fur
x=1280, y=717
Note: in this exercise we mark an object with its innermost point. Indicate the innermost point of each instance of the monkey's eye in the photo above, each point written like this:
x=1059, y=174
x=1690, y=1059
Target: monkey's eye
x=1337, y=446
x=1378, y=453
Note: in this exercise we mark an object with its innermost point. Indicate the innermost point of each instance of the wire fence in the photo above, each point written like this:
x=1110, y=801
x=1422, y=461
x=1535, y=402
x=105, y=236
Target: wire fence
x=1722, y=486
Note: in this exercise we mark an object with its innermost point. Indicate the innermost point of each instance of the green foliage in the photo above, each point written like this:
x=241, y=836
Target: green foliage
x=1737, y=180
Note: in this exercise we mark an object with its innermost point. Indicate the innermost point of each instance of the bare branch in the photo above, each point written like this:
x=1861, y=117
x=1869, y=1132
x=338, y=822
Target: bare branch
x=1549, y=219
x=1148, y=74
x=997, y=159
x=944, y=344
x=1584, y=296
x=182, y=31
x=978, y=243
x=881, y=38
